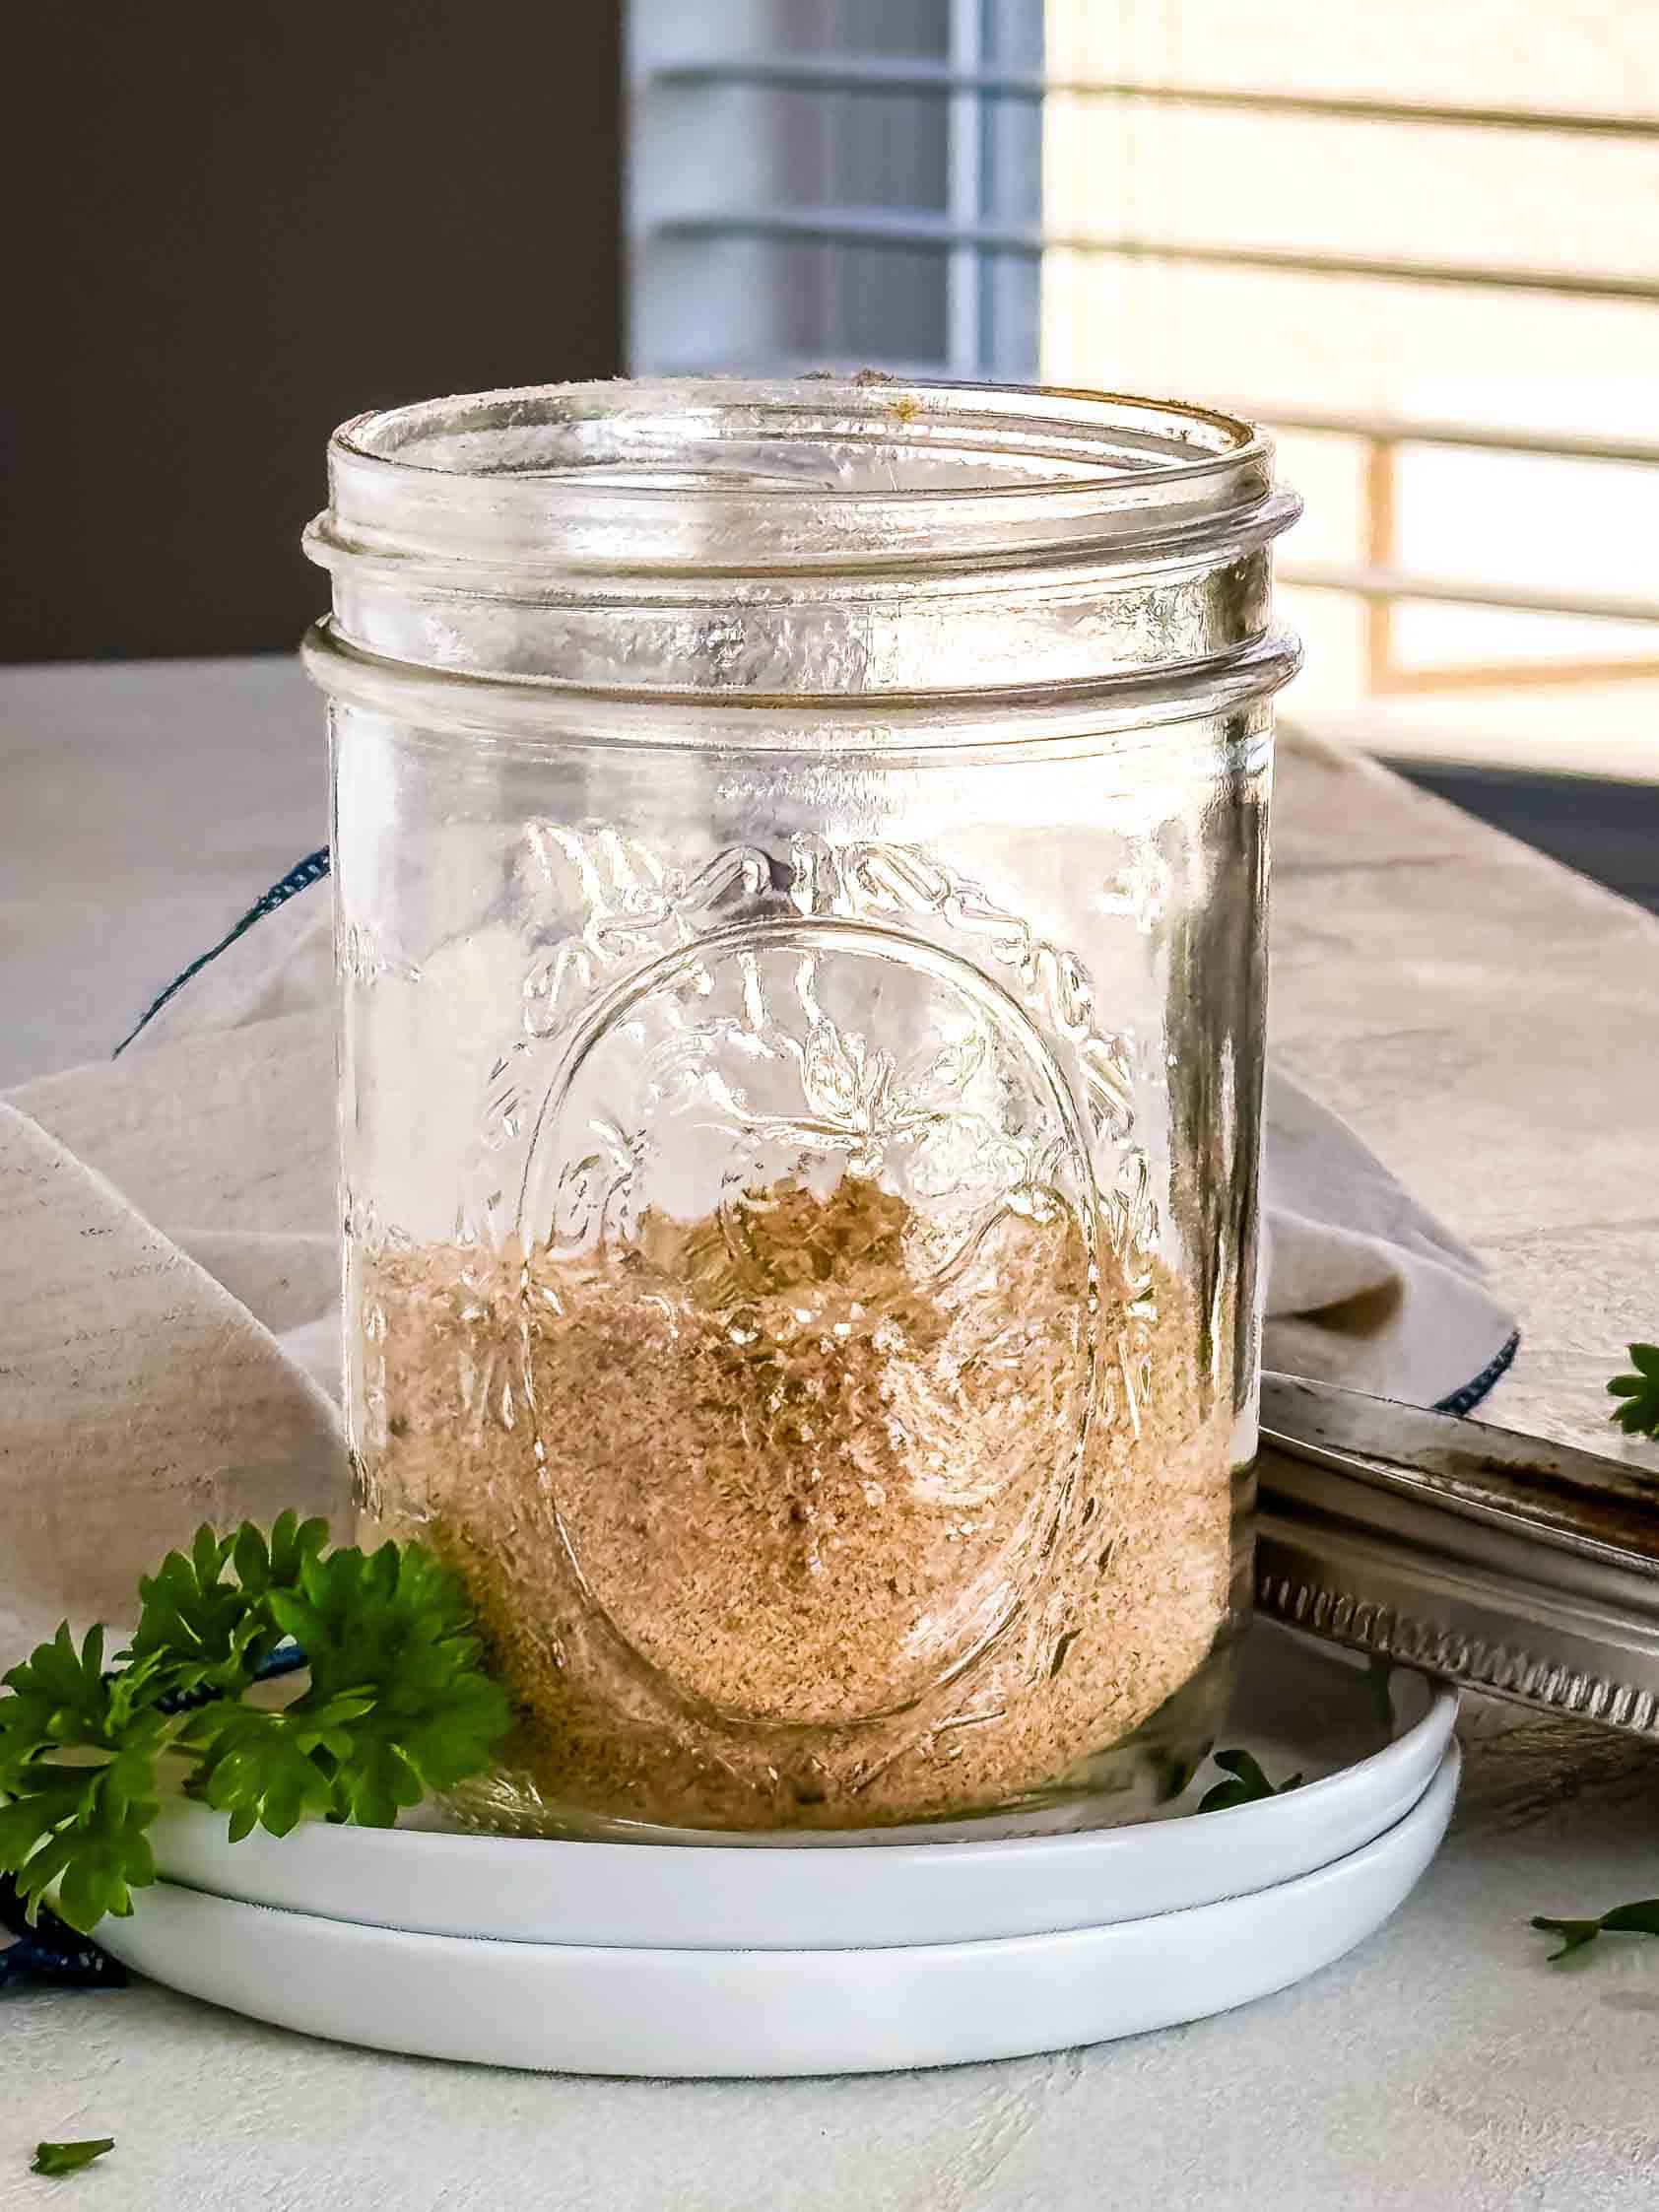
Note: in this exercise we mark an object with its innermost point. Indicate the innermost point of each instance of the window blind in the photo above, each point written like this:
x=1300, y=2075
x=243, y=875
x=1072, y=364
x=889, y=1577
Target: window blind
x=1430, y=262
x=822, y=186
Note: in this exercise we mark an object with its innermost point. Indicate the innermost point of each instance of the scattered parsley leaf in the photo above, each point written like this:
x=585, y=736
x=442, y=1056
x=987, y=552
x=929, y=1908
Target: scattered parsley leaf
x=69, y=2158
x=396, y=1705
x=1641, y=1919
x=1638, y=1416
x=1246, y=1784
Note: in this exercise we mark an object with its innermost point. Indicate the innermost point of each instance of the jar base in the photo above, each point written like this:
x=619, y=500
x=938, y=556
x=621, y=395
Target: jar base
x=1127, y=1782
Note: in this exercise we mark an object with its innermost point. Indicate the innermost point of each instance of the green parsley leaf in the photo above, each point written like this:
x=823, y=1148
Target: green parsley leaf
x=58, y=1696
x=263, y=1567
x=393, y=1629
x=77, y=1778
x=1638, y=1416
x=263, y=1769
x=396, y=1705
x=1640, y=1919
x=198, y=1628
x=89, y=1864
x=1246, y=1786
x=69, y=2158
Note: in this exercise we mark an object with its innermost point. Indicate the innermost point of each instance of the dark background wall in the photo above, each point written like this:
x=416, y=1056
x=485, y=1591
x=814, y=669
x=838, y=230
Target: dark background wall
x=234, y=223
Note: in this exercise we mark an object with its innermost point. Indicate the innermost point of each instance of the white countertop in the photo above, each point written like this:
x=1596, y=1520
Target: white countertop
x=1490, y=1025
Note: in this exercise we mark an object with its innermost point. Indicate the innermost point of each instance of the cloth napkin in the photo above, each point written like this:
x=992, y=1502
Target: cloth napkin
x=169, y=1281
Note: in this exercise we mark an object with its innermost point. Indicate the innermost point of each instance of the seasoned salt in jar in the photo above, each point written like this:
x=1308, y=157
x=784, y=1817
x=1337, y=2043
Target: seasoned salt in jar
x=799, y=854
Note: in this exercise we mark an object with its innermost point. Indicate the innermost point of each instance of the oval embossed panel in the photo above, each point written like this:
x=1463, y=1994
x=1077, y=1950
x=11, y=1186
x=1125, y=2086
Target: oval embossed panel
x=821, y=1221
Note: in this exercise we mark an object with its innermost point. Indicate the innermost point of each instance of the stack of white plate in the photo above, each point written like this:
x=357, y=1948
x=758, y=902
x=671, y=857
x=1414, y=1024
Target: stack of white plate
x=844, y=1957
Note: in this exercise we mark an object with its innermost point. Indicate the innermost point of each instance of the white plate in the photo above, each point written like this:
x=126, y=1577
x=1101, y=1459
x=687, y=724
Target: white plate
x=1302, y=1705
x=587, y=2010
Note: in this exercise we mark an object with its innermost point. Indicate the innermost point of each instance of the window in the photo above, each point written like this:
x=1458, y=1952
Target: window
x=1430, y=262
x=810, y=185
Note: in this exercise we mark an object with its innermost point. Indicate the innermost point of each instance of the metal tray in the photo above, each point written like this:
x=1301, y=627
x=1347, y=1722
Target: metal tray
x=1512, y=1565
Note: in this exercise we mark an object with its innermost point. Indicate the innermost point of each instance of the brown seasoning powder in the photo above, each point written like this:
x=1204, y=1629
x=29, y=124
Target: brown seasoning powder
x=779, y=1519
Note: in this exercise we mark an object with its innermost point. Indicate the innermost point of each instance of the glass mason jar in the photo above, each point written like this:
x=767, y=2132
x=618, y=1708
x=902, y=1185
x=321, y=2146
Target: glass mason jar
x=800, y=853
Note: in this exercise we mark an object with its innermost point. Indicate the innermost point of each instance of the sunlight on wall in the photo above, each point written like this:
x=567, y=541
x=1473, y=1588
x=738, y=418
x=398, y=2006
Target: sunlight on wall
x=1284, y=341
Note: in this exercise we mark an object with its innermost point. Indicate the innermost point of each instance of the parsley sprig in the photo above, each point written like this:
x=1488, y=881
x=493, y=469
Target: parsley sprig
x=1640, y=1919
x=395, y=1704
x=1639, y=1415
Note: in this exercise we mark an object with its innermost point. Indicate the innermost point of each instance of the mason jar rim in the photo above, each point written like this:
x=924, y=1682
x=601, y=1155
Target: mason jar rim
x=508, y=492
